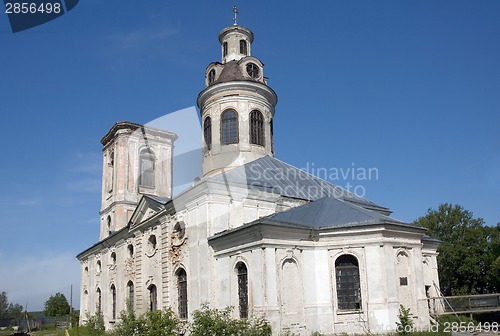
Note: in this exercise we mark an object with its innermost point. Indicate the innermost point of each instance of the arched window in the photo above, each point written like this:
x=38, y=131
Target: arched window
x=152, y=244
x=98, y=267
x=224, y=49
x=153, y=304
x=113, y=302
x=99, y=306
x=147, y=169
x=211, y=76
x=110, y=170
x=113, y=258
x=242, y=272
x=243, y=47
x=130, y=249
x=182, y=293
x=207, y=132
x=108, y=223
x=256, y=128
x=130, y=286
x=229, y=127
x=347, y=278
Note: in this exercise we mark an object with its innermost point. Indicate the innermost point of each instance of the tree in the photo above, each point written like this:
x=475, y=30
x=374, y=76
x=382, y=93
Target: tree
x=469, y=254
x=15, y=310
x=9, y=310
x=56, y=305
x=4, y=305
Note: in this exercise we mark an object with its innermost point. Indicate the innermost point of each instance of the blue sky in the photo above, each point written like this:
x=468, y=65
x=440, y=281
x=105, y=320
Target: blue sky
x=409, y=88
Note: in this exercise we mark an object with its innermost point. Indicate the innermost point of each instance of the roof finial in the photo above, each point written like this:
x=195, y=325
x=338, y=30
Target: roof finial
x=235, y=17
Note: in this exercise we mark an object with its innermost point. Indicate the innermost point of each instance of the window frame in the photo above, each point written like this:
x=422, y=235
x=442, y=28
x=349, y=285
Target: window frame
x=182, y=297
x=147, y=174
x=153, y=297
x=242, y=281
x=229, y=127
x=224, y=49
x=257, y=130
x=113, y=302
x=243, y=47
x=131, y=295
x=348, y=283
x=207, y=132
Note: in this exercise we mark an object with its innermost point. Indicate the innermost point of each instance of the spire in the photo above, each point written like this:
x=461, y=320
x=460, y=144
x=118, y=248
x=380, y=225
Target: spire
x=235, y=15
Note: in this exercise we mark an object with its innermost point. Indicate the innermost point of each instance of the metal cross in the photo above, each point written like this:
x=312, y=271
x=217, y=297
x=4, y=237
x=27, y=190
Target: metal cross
x=235, y=17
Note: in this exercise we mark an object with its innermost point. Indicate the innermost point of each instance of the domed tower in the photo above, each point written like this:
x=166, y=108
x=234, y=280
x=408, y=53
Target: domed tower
x=236, y=106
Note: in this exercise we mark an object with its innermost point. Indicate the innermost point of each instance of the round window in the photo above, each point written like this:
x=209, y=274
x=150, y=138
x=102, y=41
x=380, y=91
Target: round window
x=253, y=70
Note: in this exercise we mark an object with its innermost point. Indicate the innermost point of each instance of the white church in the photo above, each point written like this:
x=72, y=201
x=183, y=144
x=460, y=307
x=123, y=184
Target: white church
x=252, y=232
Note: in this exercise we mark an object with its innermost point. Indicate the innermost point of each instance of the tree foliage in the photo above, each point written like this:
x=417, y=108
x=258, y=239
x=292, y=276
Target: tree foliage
x=153, y=323
x=208, y=321
x=56, y=305
x=469, y=256
x=405, y=324
x=9, y=310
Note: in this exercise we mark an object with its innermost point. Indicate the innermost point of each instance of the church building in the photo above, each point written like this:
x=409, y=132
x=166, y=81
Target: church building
x=252, y=232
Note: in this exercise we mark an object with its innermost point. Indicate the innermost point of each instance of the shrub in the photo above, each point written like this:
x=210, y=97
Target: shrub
x=95, y=324
x=215, y=322
x=405, y=324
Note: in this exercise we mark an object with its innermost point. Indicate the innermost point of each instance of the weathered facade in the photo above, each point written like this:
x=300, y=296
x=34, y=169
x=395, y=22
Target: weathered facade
x=253, y=232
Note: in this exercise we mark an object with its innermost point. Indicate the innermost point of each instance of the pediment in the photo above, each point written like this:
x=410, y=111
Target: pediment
x=148, y=207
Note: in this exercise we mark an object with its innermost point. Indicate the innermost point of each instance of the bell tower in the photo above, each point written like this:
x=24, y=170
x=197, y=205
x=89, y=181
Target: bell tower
x=137, y=160
x=236, y=106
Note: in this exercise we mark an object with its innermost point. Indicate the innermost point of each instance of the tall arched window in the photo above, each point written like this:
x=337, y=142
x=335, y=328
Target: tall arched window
x=153, y=303
x=243, y=47
x=113, y=302
x=130, y=286
x=207, y=132
x=347, y=278
x=113, y=258
x=130, y=249
x=256, y=128
x=229, y=127
x=99, y=300
x=182, y=293
x=108, y=224
x=147, y=169
x=242, y=272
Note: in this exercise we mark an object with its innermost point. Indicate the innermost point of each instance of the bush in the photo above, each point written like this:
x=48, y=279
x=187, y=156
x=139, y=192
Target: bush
x=95, y=324
x=155, y=323
x=215, y=322
x=405, y=324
